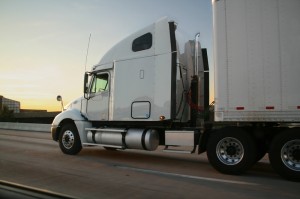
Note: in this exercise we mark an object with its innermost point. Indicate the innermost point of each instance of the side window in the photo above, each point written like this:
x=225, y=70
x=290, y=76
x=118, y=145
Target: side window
x=143, y=42
x=100, y=83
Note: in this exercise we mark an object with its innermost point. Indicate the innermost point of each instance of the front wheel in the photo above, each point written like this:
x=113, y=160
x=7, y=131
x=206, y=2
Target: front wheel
x=69, y=140
x=231, y=150
x=284, y=154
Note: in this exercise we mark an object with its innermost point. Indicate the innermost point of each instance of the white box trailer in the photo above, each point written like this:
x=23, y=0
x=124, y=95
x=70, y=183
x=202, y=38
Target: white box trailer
x=152, y=87
x=257, y=62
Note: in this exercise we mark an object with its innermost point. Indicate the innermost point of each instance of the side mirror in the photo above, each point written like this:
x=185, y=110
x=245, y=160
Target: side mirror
x=85, y=84
x=59, y=98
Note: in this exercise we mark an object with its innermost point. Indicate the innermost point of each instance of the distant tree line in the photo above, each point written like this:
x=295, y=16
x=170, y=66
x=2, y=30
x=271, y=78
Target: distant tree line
x=6, y=115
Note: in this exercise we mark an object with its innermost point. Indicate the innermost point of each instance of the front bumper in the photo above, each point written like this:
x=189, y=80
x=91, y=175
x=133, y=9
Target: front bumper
x=54, y=132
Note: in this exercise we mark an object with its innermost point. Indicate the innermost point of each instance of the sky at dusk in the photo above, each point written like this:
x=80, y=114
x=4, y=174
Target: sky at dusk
x=43, y=43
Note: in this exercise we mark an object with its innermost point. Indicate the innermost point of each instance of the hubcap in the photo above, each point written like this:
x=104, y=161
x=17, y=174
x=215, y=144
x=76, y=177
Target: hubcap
x=290, y=155
x=230, y=151
x=68, y=139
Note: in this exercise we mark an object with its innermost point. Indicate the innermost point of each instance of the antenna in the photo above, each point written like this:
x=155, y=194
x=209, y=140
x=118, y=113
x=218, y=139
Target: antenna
x=87, y=52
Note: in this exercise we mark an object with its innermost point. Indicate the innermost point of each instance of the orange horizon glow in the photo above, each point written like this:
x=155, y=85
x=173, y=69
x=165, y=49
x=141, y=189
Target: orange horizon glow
x=44, y=105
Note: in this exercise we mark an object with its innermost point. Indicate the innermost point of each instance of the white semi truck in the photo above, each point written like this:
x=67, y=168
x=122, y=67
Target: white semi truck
x=152, y=89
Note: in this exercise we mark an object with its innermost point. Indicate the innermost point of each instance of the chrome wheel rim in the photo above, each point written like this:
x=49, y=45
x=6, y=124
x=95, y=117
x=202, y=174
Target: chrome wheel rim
x=230, y=151
x=68, y=139
x=290, y=154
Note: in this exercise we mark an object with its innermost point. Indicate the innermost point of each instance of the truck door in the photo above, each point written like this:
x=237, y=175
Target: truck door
x=98, y=102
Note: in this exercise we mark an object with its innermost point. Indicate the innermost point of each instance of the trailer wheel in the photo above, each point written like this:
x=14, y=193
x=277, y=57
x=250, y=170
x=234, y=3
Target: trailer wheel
x=231, y=150
x=69, y=140
x=284, y=154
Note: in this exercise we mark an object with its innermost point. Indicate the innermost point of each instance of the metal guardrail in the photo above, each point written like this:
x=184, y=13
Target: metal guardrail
x=25, y=126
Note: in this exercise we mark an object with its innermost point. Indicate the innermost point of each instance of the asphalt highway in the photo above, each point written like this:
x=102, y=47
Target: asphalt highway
x=34, y=160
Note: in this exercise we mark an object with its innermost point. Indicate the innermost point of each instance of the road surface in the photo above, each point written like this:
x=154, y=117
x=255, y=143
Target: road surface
x=34, y=160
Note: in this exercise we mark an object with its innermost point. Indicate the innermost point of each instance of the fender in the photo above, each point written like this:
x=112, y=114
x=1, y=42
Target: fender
x=70, y=115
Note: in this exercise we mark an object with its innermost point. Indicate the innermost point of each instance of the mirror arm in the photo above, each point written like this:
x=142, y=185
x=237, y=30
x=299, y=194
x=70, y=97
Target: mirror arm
x=59, y=98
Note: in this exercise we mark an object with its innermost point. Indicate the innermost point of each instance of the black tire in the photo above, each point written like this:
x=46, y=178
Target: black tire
x=231, y=150
x=284, y=154
x=69, y=140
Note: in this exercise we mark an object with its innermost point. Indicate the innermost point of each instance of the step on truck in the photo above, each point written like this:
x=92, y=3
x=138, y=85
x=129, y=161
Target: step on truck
x=152, y=89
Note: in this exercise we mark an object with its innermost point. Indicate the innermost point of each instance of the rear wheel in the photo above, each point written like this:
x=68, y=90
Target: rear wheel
x=231, y=150
x=69, y=140
x=284, y=154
